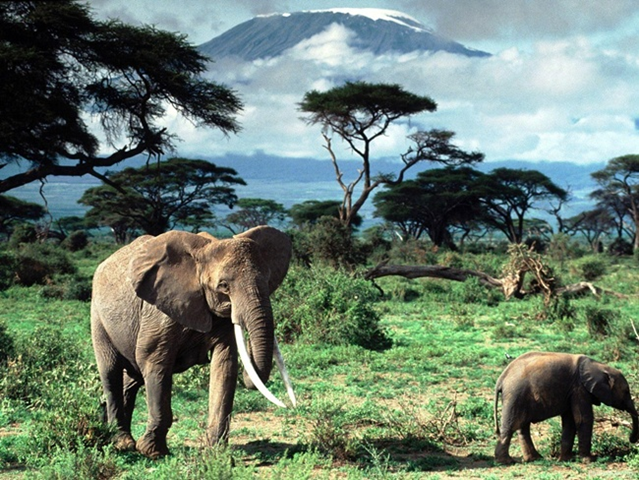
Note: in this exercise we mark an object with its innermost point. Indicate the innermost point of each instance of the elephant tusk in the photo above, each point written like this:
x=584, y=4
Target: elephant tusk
x=250, y=369
x=282, y=367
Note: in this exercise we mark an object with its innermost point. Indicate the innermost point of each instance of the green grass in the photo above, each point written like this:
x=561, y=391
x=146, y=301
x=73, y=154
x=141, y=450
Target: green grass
x=420, y=409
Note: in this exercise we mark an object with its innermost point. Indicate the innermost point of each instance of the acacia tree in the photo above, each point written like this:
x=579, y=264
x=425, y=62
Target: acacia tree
x=14, y=211
x=433, y=203
x=592, y=224
x=253, y=212
x=361, y=112
x=157, y=197
x=59, y=66
x=310, y=211
x=619, y=192
x=508, y=194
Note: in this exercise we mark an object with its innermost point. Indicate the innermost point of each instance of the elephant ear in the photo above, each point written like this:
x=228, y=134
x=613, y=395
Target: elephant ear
x=164, y=273
x=597, y=380
x=275, y=247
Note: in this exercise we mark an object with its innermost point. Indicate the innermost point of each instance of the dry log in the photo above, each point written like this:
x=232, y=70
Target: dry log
x=434, y=271
x=461, y=275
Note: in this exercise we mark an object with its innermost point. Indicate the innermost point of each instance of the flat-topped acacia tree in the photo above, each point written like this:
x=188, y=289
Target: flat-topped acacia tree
x=360, y=112
x=59, y=68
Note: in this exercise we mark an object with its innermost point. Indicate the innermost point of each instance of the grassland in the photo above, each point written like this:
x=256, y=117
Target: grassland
x=420, y=409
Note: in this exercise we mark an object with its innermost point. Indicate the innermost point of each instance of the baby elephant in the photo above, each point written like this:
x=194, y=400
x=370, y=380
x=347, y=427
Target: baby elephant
x=540, y=385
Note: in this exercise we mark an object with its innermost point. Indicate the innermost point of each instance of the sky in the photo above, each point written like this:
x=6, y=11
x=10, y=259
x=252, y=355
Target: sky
x=561, y=85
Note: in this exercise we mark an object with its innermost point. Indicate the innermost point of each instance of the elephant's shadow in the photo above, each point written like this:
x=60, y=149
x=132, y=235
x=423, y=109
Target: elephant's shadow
x=422, y=456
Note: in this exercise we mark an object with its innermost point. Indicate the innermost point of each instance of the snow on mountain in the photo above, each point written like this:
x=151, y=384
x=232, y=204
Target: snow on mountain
x=375, y=30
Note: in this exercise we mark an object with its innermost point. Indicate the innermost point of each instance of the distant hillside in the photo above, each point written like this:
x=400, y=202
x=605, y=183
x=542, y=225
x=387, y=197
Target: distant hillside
x=377, y=31
x=294, y=180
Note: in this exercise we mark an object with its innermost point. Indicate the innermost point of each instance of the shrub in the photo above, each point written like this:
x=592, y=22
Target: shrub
x=322, y=305
x=7, y=269
x=68, y=287
x=37, y=263
x=7, y=347
x=620, y=246
x=592, y=268
x=23, y=233
x=77, y=240
x=599, y=320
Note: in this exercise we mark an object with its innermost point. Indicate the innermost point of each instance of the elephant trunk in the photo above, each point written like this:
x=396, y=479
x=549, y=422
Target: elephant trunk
x=634, y=435
x=261, y=336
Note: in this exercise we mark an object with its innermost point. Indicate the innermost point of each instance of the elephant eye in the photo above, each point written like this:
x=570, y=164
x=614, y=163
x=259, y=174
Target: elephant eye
x=223, y=286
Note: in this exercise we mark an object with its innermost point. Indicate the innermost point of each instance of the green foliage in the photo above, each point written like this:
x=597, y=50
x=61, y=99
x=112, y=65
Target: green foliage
x=37, y=263
x=599, y=320
x=592, y=267
x=472, y=291
x=327, y=242
x=253, y=212
x=68, y=287
x=321, y=305
x=7, y=347
x=160, y=196
x=58, y=64
x=76, y=240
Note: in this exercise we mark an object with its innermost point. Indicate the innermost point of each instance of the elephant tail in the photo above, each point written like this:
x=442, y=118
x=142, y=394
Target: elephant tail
x=496, y=406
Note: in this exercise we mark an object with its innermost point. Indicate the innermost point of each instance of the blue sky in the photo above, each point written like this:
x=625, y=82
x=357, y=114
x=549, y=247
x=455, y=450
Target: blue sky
x=562, y=84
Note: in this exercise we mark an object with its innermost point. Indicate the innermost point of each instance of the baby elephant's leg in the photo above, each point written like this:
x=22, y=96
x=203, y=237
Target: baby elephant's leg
x=527, y=446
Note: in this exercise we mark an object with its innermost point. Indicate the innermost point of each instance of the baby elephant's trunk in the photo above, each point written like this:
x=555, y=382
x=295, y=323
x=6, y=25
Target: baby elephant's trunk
x=634, y=435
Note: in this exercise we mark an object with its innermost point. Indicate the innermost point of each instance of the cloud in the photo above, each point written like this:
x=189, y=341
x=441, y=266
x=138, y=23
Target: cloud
x=566, y=99
x=523, y=19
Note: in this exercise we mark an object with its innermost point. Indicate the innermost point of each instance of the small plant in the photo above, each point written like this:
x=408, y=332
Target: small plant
x=599, y=320
x=592, y=268
x=331, y=430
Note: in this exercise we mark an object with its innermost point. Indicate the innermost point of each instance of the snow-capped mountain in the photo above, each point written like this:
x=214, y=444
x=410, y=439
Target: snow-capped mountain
x=374, y=30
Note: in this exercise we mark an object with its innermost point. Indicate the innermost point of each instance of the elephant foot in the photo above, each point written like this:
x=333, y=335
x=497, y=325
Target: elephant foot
x=532, y=457
x=124, y=442
x=504, y=459
x=152, y=447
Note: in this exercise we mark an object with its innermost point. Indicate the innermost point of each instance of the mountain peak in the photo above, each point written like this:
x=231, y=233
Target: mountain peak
x=375, y=30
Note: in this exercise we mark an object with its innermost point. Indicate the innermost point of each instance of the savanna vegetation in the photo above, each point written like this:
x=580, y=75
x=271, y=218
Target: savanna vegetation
x=396, y=384
x=394, y=376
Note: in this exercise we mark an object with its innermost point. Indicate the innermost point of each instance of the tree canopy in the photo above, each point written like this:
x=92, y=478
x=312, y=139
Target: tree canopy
x=432, y=203
x=61, y=69
x=359, y=113
x=310, y=211
x=619, y=192
x=508, y=194
x=156, y=197
x=13, y=211
x=253, y=212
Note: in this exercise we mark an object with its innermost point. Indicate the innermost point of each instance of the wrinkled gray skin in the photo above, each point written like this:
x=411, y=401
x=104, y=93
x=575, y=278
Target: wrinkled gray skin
x=540, y=385
x=163, y=304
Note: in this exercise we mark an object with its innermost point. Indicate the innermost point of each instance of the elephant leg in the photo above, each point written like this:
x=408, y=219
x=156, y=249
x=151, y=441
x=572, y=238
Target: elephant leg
x=110, y=367
x=158, y=382
x=584, y=420
x=131, y=387
x=503, y=444
x=568, y=432
x=223, y=380
x=527, y=446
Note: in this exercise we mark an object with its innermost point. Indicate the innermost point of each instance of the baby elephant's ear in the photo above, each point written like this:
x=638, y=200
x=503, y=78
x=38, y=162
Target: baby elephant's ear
x=596, y=378
x=276, y=248
x=164, y=273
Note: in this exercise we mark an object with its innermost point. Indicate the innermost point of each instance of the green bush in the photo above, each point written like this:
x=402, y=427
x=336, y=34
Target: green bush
x=323, y=305
x=599, y=320
x=68, y=287
x=327, y=242
x=77, y=240
x=37, y=263
x=591, y=268
x=7, y=269
x=7, y=347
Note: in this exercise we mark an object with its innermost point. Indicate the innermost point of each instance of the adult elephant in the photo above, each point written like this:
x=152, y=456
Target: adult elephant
x=163, y=304
x=540, y=385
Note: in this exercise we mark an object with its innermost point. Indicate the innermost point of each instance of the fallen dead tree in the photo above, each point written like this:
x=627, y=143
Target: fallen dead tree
x=522, y=261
